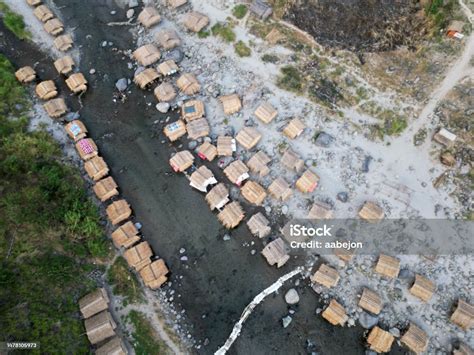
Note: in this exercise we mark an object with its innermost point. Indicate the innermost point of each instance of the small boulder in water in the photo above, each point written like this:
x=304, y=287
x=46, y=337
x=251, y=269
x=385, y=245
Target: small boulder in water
x=121, y=84
x=286, y=321
x=163, y=107
x=291, y=296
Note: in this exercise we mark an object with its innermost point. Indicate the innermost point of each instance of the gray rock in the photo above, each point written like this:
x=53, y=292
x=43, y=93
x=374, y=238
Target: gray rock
x=343, y=196
x=184, y=258
x=286, y=321
x=138, y=71
x=163, y=107
x=291, y=296
x=71, y=116
x=176, y=55
x=132, y=3
x=324, y=140
x=366, y=164
x=284, y=209
x=406, y=274
x=192, y=144
x=104, y=44
x=395, y=332
x=121, y=84
x=368, y=321
x=226, y=237
x=130, y=13
x=182, y=251
x=92, y=71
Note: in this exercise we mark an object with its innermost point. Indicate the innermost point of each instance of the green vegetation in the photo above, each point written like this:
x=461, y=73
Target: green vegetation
x=145, y=340
x=14, y=22
x=224, y=31
x=239, y=11
x=242, y=50
x=440, y=12
x=124, y=282
x=203, y=34
x=270, y=58
x=290, y=79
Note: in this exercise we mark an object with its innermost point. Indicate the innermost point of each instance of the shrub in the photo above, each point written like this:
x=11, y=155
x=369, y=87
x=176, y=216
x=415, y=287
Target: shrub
x=224, y=31
x=14, y=22
x=242, y=50
x=239, y=11
x=124, y=282
x=290, y=79
x=270, y=58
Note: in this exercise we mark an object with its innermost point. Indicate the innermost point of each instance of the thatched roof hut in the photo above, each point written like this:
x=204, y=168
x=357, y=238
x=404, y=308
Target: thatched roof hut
x=423, y=288
x=46, y=90
x=106, y=188
x=54, y=27
x=326, y=276
x=258, y=164
x=231, y=103
x=259, y=225
x=201, y=178
x=182, y=160
x=168, y=67
x=280, y=189
x=445, y=137
x=87, y=149
x=344, y=254
x=254, y=193
x=236, y=172
x=114, y=346
x=198, y=128
x=149, y=17
x=226, y=146
x=320, y=210
x=154, y=274
x=139, y=256
x=25, y=74
x=64, y=65
x=192, y=110
x=175, y=130
x=125, y=236
x=380, y=340
x=188, y=84
x=463, y=349
x=307, y=182
x=77, y=83
x=335, y=313
x=118, y=211
x=388, y=266
x=415, y=339
x=33, y=2
x=195, y=21
x=174, y=4
x=231, y=215
x=167, y=39
x=275, y=253
x=266, y=112
x=165, y=92
x=100, y=327
x=96, y=168
x=294, y=128
x=248, y=137
x=218, y=196
x=370, y=301
x=94, y=302
x=147, y=55
x=371, y=212
x=292, y=161
x=76, y=130
x=146, y=77
x=43, y=13
x=463, y=315
x=63, y=43
x=207, y=151
x=261, y=9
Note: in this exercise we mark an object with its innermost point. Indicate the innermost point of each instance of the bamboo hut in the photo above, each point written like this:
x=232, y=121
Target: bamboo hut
x=188, y=84
x=64, y=65
x=100, y=327
x=76, y=130
x=94, y=302
x=125, y=236
x=380, y=340
x=326, y=276
x=46, y=90
x=146, y=77
x=174, y=4
x=77, y=83
x=463, y=349
x=165, y=92
x=231, y=215
x=87, y=149
x=231, y=104
x=335, y=313
x=307, y=182
x=225, y=146
x=423, y=288
x=138, y=256
x=261, y=9
x=168, y=67
x=415, y=339
x=294, y=128
x=114, y=346
x=25, y=75
x=280, y=189
x=33, y=2
x=167, y=39
x=259, y=225
x=291, y=161
x=217, y=197
x=320, y=210
x=275, y=253
x=105, y=189
x=248, y=137
x=96, y=168
x=343, y=254
x=388, y=266
x=266, y=112
x=43, y=13
x=371, y=212
x=175, y=130
x=192, y=110
x=258, y=164
x=254, y=193
x=118, y=211
x=182, y=161
x=463, y=315
x=445, y=137
x=63, y=43
x=195, y=21
x=197, y=128
x=54, y=27
x=207, y=151
x=154, y=274
x=147, y=55
x=236, y=172
x=149, y=17
x=202, y=178
x=370, y=301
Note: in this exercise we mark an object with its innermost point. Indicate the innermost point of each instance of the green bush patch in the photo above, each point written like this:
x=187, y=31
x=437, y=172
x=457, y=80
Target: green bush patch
x=124, y=282
x=242, y=50
x=14, y=22
x=290, y=79
x=239, y=11
x=224, y=31
x=145, y=341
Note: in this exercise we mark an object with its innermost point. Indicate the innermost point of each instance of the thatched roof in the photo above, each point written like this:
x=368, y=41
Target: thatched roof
x=344, y=254
x=176, y=3
x=463, y=349
x=188, y=84
x=146, y=77
x=182, y=160
x=175, y=130
x=55, y=107
x=25, y=74
x=125, y=236
x=258, y=163
x=165, y=92
x=274, y=36
x=94, y=302
x=326, y=276
x=280, y=189
x=118, y=211
x=46, y=90
x=43, y=13
x=320, y=210
x=33, y=2
x=225, y=146
x=64, y=65
x=259, y=225
x=370, y=301
x=87, y=148
x=231, y=103
x=207, y=151
x=138, y=256
x=294, y=128
x=76, y=130
x=275, y=253
x=168, y=67
x=147, y=55
x=463, y=316
x=248, y=137
x=197, y=128
x=253, y=192
x=77, y=83
x=388, y=266
x=456, y=26
x=445, y=137
x=154, y=274
x=261, y=9
x=96, y=168
x=149, y=17
x=106, y=188
x=54, y=27
x=113, y=346
x=100, y=327
x=63, y=43
x=218, y=196
x=195, y=21
x=167, y=39
x=380, y=340
x=307, y=182
x=415, y=339
x=335, y=313
x=192, y=109
x=292, y=161
x=231, y=215
x=371, y=212
x=266, y=112
x=202, y=178
x=236, y=171
x=423, y=288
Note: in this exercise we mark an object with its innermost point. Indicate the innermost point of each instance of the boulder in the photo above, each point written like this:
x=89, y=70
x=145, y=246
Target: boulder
x=291, y=296
x=121, y=84
x=367, y=320
x=324, y=140
x=286, y=321
x=163, y=107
